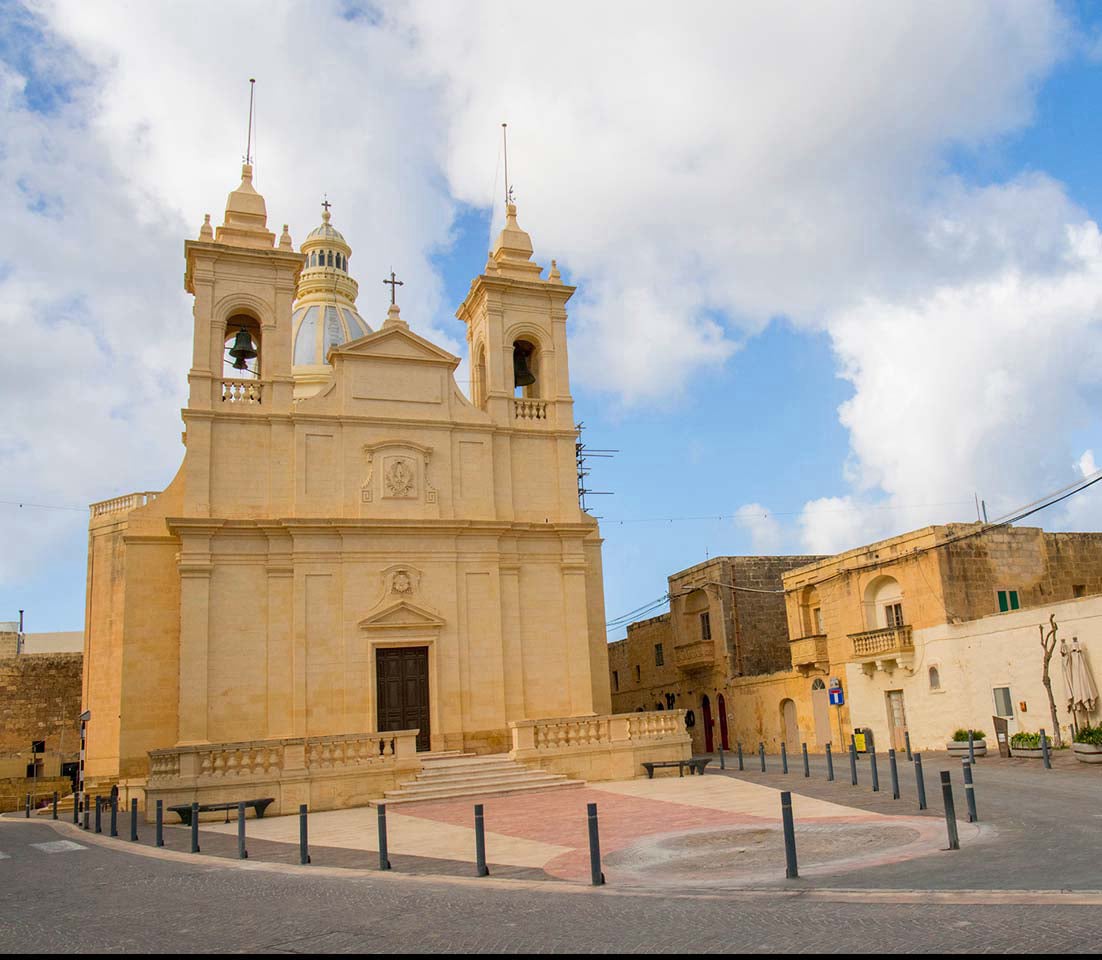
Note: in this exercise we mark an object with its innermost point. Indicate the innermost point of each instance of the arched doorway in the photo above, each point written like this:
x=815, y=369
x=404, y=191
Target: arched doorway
x=820, y=707
x=706, y=709
x=788, y=723
x=721, y=706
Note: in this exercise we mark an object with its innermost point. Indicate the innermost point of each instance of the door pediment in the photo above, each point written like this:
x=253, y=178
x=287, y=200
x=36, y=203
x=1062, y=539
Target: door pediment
x=403, y=616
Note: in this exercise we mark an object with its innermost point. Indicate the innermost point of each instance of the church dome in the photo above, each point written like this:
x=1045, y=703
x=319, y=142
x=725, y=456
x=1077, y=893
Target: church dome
x=325, y=314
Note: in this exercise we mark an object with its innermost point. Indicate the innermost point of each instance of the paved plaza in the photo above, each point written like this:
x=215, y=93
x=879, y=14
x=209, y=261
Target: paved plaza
x=694, y=863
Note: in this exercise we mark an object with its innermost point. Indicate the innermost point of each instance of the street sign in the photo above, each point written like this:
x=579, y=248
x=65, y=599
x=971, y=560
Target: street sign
x=837, y=698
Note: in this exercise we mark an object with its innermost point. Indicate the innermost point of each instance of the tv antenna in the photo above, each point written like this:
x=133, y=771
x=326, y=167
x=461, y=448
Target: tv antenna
x=583, y=453
x=249, y=142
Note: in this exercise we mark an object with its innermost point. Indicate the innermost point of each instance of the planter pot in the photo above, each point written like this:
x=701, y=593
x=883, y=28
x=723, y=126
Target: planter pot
x=958, y=748
x=1088, y=752
x=1029, y=754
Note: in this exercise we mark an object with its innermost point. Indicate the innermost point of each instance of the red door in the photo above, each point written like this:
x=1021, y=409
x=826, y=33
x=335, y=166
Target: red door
x=721, y=705
x=706, y=707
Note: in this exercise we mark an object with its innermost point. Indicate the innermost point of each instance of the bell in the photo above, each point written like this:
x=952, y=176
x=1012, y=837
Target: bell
x=521, y=374
x=242, y=349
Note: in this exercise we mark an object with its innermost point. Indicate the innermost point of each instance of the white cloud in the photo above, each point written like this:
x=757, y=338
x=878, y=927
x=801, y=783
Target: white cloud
x=766, y=533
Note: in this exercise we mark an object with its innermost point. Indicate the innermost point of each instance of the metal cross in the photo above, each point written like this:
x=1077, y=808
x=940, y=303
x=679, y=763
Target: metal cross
x=326, y=204
x=394, y=285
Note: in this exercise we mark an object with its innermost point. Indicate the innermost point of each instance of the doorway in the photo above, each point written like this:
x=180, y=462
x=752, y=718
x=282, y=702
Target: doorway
x=706, y=709
x=721, y=705
x=820, y=708
x=897, y=720
x=788, y=721
x=402, y=686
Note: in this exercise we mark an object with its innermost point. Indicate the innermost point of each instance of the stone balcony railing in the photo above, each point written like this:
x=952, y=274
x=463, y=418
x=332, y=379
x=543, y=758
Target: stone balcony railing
x=885, y=643
x=693, y=656
x=243, y=392
x=808, y=651
x=528, y=409
x=564, y=732
x=123, y=504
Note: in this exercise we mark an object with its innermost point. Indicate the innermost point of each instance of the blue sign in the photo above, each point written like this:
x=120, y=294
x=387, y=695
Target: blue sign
x=837, y=698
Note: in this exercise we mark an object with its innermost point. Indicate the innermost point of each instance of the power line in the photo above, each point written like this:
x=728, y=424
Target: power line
x=40, y=506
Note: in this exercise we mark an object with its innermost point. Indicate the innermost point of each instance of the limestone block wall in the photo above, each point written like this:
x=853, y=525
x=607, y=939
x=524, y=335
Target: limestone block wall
x=39, y=700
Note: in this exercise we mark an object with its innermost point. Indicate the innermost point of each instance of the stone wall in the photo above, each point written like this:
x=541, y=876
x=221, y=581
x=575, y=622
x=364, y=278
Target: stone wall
x=39, y=700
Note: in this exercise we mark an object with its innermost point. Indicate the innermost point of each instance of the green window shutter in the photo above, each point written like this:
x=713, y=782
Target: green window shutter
x=1002, y=602
x=1013, y=599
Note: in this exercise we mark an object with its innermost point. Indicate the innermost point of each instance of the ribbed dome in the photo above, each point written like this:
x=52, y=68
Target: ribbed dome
x=319, y=326
x=326, y=232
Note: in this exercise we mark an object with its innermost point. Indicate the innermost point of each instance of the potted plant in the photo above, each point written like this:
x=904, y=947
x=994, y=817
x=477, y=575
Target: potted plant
x=958, y=746
x=1088, y=745
x=1027, y=745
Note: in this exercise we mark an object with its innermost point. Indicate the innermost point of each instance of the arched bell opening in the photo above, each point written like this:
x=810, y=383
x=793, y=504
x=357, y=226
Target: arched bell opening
x=241, y=348
x=526, y=374
x=478, y=387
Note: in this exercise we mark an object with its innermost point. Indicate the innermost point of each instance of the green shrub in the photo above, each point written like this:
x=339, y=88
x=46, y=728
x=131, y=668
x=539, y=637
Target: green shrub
x=1089, y=735
x=1026, y=741
x=961, y=736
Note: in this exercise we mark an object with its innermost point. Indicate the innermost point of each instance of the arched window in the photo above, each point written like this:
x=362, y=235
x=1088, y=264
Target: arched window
x=935, y=679
x=330, y=263
x=526, y=377
x=884, y=604
x=340, y=261
x=241, y=367
x=478, y=391
x=817, y=684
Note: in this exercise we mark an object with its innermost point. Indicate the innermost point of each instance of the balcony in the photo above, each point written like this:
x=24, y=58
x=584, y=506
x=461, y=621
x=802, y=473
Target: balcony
x=808, y=652
x=695, y=656
x=878, y=647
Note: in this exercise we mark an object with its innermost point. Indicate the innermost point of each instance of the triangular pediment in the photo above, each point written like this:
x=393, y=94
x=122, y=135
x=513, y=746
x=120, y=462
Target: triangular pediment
x=402, y=615
x=395, y=343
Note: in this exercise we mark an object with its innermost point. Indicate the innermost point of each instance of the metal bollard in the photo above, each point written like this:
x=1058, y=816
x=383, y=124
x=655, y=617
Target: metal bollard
x=920, y=782
x=1044, y=751
x=55, y=805
x=99, y=814
x=722, y=765
x=27, y=815
x=761, y=753
x=790, y=869
x=907, y=741
x=784, y=757
x=807, y=764
x=481, y=870
x=895, y=774
x=950, y=811
x=114, y=816
x=830, y=765
x=160, y=823
x=872, y=765
x=970, y=792
x=242, y=853
x=303, y=848
x=852, y=762
x=596, y=878
x=384, y=854
x=134, y=818
x=76, y=809
x=971, y=748
x=740, y=766
x=87, y=813
x=195, y=828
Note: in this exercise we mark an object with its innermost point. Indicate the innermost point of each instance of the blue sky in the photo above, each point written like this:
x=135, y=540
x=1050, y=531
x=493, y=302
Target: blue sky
x=833, y=310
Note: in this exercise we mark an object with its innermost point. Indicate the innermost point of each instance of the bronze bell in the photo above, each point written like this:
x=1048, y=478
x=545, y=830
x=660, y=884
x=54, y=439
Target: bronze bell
x=242, y=349
x=521, y=373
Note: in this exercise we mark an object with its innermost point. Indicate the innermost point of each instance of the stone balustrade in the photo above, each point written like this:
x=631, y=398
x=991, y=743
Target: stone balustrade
x=808, y=651
x=882, y=642
x=525, y=408
x=123, y=504
x=247, y=392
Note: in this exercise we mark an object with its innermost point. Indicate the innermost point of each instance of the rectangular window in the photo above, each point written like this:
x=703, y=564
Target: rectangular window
x=658, y=661
x=817, y=616
x=638, y=675
x=893, y=614
x=1079, y=590
x=706, y=626
x=615, y=680
x=1008, y=600
x=1003, y=705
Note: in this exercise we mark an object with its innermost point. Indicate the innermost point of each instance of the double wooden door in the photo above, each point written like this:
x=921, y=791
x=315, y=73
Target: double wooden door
x=402, y=687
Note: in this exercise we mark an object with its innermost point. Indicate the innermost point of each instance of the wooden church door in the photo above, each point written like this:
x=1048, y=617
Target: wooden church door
x=402, y=684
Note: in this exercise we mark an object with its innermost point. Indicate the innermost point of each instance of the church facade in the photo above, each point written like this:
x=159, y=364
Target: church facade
x=351, y=546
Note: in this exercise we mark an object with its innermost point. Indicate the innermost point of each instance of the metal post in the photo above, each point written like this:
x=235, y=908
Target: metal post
x=1044, y=751
x=27, y=815
x=55, y=805
x=920, y=782
x=86, y=814
x=970, y=792
x=99, y=815
x=872, y=764
x=384, y=861
x=790, y=869
x=481, y=870
x=761, y=753
x=807, y=764
x=784, y=757
x=303, y=848
x=740, y=766
x=852, y=762
x=76, y=811
x=722, y=765
x=950, y=811
x=114, y=815
x=595, y=876
x=160, y=823
x=242, y=853
x=971, y=748
x=133, y=818
x=895, y=774
x=830, y=765
x=907, y=741
x=195, y=828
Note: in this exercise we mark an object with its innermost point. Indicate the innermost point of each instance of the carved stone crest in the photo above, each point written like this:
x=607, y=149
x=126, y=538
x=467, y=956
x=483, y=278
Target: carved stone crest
x=400, y=478
x=403, y=475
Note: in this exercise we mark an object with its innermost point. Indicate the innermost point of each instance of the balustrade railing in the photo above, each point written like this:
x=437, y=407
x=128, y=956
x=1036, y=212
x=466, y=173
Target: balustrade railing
x=886, y=640
x=249, y=392
x=528, y=409
x=123, y=504
x=565, y=732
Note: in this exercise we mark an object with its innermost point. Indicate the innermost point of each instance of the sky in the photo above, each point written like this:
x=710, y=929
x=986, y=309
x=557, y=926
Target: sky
x=839, y=266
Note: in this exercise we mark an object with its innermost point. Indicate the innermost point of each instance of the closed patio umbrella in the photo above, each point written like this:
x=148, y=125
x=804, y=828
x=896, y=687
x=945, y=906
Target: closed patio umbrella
x=1084, y=693
x=1065, y=664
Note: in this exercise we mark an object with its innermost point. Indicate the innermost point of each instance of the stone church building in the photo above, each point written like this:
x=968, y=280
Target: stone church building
x=351, y=546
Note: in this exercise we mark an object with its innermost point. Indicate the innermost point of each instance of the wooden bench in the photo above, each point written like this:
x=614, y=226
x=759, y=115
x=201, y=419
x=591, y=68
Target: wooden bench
x=183, y=810
x=695, y=765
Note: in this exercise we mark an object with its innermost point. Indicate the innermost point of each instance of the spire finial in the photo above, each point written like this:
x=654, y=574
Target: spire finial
x=394, y=285
x=249, y=141
x=505, y=146
x=325, y=205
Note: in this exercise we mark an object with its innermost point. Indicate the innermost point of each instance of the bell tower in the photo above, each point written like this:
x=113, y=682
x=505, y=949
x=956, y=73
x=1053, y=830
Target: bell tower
x=516, y=336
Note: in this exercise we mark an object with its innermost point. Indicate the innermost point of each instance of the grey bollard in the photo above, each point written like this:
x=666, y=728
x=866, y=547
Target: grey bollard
x=1044, y=751
x=790, y=869
x=303, y=848
x=596, y=878
x=481, y=870
x=895, y=774
x=76, y=809
x=784, y=757
x=920, y=782
x=950, y=811
x=134, y=818
x=830, y=765
x=384, y=854
x=55, y=805
x=740, y=766
x=195, y=828
x=970, y=792
x=114, y=816
x=907, y=741
x=807, y=763
x=160, y=823
x=872, y=767
x=852, y=762
x=99, y=814
x=27, y=815
x=971, y=748
x=242, y=853
x=722, y=765
x=761, y=753
x=87, y=814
